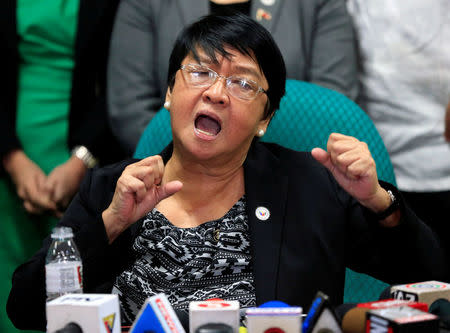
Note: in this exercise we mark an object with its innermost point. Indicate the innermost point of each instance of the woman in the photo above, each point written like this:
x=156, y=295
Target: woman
x=315, y=37
x=52, y=117
x=220, y=214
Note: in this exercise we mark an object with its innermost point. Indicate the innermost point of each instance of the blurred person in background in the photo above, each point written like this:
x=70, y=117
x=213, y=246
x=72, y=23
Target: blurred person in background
x=53, y=118
x=404, y=51
x=315, y=38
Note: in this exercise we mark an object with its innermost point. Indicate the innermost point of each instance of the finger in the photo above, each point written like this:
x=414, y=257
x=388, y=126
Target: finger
x=58, y=213
x=150, y=174
x=344, y=160
x=48, y=187
x=342, y=146
x=322, y=157
x=32, y=209
x=169, y=189
x=157, y=164
x=128, y=184
x=22, y=193
x=59, y=194
x=339, y=136
x=360, y=168
x=149, y=160
x=144, y=173
x=41, y=199
x=160, y=165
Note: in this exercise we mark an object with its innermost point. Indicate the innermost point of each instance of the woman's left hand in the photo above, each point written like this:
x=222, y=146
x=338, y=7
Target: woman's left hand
x=63, y=182
x=352, y=165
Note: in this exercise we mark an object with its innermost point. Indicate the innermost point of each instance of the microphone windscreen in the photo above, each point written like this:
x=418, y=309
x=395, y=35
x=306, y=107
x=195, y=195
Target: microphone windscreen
x=354, y=321
x=441, y=308
x=342, y=309
x=70, y=328
x=214, y=328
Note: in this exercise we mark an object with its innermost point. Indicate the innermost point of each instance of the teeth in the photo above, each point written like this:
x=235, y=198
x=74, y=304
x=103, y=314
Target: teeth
x=204, y=132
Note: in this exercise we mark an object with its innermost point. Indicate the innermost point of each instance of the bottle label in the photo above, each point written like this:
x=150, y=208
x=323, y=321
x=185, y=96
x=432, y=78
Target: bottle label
x=64, y=277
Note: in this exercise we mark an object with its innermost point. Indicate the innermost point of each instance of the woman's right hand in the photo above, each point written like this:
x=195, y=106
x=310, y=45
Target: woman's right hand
x=29, y=179
x=138, y=190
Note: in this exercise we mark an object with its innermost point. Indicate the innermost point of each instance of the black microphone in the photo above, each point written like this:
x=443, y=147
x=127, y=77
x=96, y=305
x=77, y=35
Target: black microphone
x=441, y=308
x=70, y=328
x=214, y=328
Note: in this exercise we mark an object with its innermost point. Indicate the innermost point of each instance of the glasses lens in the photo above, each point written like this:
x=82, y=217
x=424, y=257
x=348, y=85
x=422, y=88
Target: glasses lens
x=242, y=88
x=199, y=75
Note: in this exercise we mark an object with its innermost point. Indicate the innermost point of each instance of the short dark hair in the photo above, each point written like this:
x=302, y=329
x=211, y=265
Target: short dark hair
x=212, y=33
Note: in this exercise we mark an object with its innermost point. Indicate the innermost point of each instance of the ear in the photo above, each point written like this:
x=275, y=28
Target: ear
x=264, y=123
x=168, y=95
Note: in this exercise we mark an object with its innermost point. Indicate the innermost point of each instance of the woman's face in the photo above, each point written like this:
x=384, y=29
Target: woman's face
x=209, y=122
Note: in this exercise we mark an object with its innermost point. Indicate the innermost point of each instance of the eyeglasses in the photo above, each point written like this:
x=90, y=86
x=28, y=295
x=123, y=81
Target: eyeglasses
x=202, y=76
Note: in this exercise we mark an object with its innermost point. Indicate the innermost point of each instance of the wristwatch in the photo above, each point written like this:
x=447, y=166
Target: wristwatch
x=85, y=156
x=395, y=204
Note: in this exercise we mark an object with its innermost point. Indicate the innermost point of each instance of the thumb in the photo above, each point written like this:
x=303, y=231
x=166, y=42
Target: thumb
x=168, y=189
x=322, y=157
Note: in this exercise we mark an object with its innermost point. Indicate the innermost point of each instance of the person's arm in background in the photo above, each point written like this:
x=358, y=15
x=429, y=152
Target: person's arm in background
x=333, y=56
x=133, y=92
x=88, y=120
x=102, y=261
x=14, y=163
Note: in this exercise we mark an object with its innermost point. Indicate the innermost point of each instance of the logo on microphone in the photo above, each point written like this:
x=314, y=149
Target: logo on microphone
x=109, y=322
x=427, y=285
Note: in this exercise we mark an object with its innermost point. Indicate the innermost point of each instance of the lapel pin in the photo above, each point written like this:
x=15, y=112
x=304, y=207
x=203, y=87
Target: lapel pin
x=262, y=213
x=262, y=14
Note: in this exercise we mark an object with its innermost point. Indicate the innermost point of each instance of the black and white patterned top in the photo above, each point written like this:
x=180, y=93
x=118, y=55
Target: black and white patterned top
x=211, y=260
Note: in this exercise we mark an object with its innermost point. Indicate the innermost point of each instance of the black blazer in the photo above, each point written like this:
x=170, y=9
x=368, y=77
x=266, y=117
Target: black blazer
x=314, y=231
x=88, y=124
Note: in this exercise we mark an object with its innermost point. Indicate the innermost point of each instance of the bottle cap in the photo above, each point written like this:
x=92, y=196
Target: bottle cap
x=62, y=232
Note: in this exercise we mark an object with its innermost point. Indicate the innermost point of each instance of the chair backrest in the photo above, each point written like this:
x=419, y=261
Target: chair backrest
x=308, y=114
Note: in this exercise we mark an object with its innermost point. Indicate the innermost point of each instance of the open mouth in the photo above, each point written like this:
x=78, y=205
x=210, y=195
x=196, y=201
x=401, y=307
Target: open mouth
x=207, y=125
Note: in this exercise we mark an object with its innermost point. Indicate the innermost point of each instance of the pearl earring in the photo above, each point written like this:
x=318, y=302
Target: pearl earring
x=260, y=133
x=167, y=105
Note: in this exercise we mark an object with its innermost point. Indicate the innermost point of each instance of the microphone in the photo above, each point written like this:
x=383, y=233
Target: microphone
x=401, y=319
x=354, y=315
x=321, y=317
x=70, y=328
x=85, y=312
x=274, y=317
x=214, y=315
x=157, y=316
x=441, y=308
x=426, y=292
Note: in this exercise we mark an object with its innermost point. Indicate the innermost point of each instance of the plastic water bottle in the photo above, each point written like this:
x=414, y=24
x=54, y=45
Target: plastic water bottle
x=63, y=267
